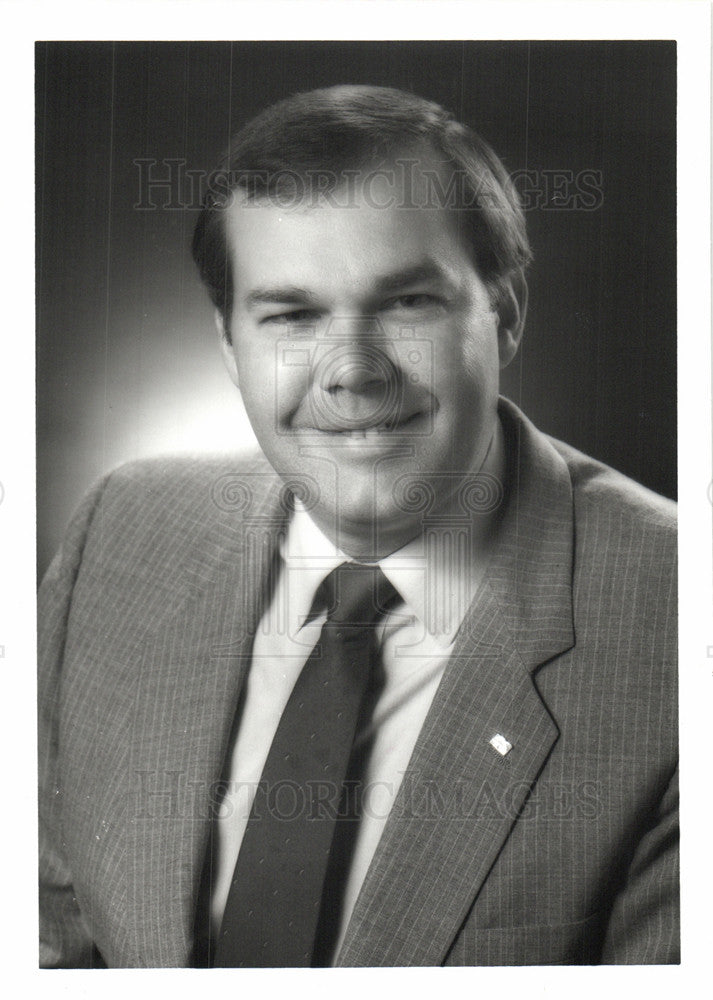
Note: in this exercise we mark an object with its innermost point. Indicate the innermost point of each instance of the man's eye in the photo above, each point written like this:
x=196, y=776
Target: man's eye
x=295, y=316
x=418, y=300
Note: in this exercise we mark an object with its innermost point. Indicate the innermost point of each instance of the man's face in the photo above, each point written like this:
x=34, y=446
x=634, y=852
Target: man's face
x=367, y=352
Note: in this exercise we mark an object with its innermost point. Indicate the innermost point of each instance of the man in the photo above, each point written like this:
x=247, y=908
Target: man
x=497, y=786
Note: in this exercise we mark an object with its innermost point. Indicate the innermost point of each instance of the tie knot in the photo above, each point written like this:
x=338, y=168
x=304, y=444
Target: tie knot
x=357, y=594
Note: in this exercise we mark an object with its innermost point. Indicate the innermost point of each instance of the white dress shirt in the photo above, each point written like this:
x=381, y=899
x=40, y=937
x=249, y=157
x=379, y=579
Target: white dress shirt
x=415, y=638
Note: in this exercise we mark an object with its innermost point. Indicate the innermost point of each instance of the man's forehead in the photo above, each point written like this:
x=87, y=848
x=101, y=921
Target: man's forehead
x=402, y=200
x=326, y=249
x=384, y=222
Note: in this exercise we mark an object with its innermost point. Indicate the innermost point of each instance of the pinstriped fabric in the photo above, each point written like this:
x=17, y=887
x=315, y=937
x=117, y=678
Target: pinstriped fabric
x=561, y=851
x=64, y=937
x=590, y=873
x=140, y=697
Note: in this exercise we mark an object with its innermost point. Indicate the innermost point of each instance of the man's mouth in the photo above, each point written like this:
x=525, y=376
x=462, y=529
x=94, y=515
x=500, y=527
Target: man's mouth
x=371, y=431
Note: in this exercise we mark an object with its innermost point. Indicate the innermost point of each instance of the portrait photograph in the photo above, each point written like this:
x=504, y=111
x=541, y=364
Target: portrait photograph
x=365, y=400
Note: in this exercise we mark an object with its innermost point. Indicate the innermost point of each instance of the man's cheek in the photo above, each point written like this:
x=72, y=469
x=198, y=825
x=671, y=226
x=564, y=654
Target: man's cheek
x=478, y=366
x=290, y=388
x=459, y=371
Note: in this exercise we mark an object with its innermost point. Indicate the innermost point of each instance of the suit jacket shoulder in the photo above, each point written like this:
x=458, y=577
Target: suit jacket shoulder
x=598, y=485
x=625, y=559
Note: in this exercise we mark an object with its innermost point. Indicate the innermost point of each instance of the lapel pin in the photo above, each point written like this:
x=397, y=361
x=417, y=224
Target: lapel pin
x=500, y=744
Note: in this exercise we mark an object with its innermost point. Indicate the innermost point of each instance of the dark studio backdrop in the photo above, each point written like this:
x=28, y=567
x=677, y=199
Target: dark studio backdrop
x=127, y=356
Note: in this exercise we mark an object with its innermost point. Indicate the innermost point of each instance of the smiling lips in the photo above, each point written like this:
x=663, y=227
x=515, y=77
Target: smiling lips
x=367, y=431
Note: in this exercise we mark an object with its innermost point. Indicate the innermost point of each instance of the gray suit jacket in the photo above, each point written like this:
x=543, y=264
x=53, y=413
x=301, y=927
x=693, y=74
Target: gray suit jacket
x=563, y=851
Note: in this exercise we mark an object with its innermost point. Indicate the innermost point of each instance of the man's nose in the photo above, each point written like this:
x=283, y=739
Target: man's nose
x=356, y=382
x=355, y=357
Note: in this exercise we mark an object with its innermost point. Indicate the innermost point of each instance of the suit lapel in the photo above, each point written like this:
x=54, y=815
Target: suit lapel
x=193, y=667
x=460, y=797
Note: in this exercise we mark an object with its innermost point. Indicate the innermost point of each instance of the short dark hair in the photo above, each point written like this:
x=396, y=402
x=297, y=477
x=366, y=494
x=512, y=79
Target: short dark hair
x=323, y=133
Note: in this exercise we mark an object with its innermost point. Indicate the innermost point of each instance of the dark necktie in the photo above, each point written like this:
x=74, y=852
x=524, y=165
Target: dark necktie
x=273, y=907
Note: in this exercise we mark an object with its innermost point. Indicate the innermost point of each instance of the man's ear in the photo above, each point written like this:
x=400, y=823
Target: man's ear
x=511, y=310
x=226, y=348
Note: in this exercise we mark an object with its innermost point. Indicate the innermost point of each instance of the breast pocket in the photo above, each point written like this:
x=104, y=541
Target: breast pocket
x=577, y=943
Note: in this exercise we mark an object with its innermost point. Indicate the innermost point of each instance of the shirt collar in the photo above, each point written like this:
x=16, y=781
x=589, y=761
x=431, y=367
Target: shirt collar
x=308, y=557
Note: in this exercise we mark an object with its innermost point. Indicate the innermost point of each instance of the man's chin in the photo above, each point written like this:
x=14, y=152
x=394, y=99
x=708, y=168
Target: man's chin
x=371, y=531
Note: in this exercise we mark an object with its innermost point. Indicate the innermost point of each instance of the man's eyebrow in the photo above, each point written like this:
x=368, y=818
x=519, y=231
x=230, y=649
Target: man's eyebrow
x=289, y=295
x=425, y=271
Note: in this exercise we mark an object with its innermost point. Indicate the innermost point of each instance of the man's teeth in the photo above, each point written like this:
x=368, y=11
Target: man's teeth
x=366, y=431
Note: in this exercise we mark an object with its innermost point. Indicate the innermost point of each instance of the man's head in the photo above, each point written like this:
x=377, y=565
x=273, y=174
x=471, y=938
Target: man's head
x=366, y=259
x=311, y=143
